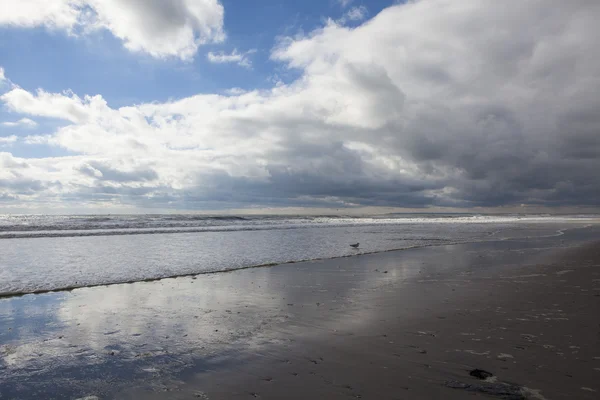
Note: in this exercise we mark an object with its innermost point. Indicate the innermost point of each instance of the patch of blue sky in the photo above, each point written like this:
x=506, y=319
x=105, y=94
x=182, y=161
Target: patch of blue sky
x=99, y=64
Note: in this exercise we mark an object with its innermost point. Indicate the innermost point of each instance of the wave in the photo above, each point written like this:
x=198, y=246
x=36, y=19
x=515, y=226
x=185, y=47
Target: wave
x=124, y=232
x=57, y=223
x=19, y=293
x=23, y=227
x=428, y=242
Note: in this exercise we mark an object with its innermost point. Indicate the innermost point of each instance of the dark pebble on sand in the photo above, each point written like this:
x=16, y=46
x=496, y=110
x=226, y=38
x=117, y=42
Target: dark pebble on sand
x=480, y=374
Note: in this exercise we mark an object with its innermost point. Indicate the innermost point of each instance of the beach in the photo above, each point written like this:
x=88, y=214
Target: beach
x=393, y=325
x=375, y=199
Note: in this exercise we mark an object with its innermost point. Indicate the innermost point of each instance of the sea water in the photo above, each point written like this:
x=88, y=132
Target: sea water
x=47, y=252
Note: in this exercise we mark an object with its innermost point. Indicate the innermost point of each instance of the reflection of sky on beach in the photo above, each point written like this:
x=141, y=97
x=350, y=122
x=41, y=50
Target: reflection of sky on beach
x=184, y=322
x=102, y=338
x=138, y=328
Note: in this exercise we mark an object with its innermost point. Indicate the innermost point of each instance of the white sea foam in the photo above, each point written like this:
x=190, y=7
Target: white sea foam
x=27, y=226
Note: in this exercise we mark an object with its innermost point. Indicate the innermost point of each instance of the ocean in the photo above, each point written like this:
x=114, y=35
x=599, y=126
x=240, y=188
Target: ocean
x=40, y=253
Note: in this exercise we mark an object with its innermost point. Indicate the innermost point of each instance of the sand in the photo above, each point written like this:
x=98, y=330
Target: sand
x=401, y=325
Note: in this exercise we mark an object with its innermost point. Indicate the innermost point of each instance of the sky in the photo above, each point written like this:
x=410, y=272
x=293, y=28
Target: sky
x=208, y=105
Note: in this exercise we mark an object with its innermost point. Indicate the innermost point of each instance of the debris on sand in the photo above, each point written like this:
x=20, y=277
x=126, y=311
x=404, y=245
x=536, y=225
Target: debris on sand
x=492, y=387
x=480, y=374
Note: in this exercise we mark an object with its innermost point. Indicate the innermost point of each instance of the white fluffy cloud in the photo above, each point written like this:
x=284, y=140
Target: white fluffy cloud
x=24, y=122
x=235, y=57
x=58, y=14
x=161, y=28
x=66, y=105
x=7, y=139
x=432, y=102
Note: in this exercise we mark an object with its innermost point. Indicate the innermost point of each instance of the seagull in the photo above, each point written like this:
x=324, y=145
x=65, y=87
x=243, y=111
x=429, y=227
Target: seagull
x=355, y=245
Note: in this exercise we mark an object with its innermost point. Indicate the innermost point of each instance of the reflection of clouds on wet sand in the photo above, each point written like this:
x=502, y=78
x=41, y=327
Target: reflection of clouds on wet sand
x=183, y=316
x=129, y=332
x=180, y=317
x=189, y=319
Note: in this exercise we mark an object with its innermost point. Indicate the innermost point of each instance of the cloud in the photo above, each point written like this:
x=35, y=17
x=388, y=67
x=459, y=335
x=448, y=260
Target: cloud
x=54, y=14
x=236, y=91
x=354, y=14
x=37, y=139
x=240, y=59
x=67, y=105
x=25, y=122
x=13, y=181
x=160, y=28
x=429, y=103
x=8, y=161
x=105, y=172
x=7, y=139
x=2, y=76
x=344, y=3
x=22, y=186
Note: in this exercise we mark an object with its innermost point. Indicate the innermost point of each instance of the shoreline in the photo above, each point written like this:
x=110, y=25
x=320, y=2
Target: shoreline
x=16, y=294
x=7, y=295
x=385, y=325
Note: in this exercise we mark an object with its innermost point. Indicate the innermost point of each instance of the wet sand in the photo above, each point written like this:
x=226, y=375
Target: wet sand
x=401, y=325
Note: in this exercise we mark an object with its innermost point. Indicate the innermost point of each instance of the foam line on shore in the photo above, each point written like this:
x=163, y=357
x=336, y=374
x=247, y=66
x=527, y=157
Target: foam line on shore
x=6, y=295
